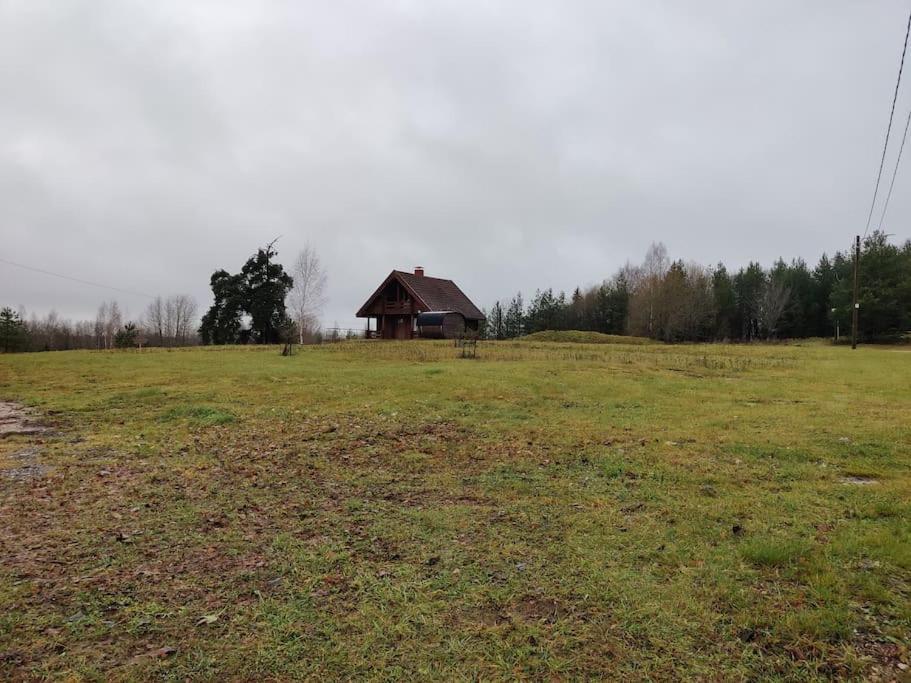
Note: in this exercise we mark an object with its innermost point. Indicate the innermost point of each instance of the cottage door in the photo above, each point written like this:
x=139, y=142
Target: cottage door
x=402, y=328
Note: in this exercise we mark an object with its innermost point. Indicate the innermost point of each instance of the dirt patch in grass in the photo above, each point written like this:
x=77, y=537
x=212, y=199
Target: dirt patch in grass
x=529, y=609
x=27, y=465
x=539, y=609
x=17, y=419
x=858, y=481
x=487, y=616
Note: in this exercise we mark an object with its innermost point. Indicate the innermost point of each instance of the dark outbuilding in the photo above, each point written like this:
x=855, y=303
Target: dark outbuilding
x=441, y=325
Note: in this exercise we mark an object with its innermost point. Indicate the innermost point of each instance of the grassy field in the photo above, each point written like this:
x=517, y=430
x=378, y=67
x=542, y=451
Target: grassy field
x=388, y=510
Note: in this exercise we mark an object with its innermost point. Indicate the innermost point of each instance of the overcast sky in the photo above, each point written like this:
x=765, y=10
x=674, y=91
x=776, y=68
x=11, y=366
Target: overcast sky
x=505, y=145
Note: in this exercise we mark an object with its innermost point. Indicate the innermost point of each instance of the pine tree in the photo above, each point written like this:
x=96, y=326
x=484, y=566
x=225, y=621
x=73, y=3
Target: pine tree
x=13, y=334
x=126, y=336
x=725, y=303
x=515, y=317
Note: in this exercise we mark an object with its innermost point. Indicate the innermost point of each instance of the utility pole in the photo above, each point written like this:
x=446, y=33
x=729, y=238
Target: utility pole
x=856, y=305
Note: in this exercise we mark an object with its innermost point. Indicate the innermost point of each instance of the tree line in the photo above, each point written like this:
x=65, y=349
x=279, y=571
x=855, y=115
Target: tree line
x=675, y=301
x=672, y=301
x=167, y=321
x=261, y=304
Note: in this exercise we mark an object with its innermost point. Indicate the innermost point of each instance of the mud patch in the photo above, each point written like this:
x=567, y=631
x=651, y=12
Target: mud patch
x=859, y=481
x=539, y=609
x=27, y=465
x=16, y=419
x=486, y=615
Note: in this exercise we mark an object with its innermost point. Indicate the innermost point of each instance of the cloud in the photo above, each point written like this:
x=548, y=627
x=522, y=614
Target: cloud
x=509, y=146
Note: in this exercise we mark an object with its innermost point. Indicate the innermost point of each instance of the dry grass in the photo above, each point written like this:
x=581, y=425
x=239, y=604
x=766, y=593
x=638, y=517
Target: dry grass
x=382, y=510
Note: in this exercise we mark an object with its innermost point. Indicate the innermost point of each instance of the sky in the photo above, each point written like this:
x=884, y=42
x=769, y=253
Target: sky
x=508, y=146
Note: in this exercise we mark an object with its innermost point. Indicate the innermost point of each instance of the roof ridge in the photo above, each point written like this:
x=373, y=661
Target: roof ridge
x=426, y=277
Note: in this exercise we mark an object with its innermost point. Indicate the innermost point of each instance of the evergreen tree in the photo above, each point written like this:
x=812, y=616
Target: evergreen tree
x=538, y=310
x=884, y=291
x=13, y=333
x=515, y=315
x=259, y=290
x=126, y=336
x=484, y=325
x=749, y=284
x=559, y=318
x=577, y=318
x=618, y=294
x=222, y=323
x=725, y=303
x=265, y=286
x=602, y=317
x=824, y=279
x=495, y=323
x=797, y=315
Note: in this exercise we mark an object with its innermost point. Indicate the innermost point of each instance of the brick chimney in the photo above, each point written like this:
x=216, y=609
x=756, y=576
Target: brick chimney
x=419, y=271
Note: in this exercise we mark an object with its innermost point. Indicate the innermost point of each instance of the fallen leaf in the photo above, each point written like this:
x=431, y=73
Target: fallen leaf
x=207, y=619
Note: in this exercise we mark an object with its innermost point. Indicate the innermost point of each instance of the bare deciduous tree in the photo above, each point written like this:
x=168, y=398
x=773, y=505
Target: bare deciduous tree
x=646, y=283
x=112, y=323
x=308, y=294
x=190, y=309
x=699, y=308
x=171, y=321
x=107, y=322
x=771, y=305
x=154, y=319
x=100, y=319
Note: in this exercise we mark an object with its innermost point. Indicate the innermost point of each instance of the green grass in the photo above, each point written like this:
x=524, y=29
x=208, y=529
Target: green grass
x=203, y=415
x=766, y=552
x=582, y=337
x=382, y=510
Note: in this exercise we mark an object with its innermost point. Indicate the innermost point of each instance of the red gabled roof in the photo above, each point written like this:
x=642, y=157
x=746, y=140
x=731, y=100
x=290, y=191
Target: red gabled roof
x=432, y=293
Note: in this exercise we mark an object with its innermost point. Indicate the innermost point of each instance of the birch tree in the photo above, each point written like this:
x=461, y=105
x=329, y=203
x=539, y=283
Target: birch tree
x=155, y=318
x=773, y=300
x=100, y=322
x=308, y=293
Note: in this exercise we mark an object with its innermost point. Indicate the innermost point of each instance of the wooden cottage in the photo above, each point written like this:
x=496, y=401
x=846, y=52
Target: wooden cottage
x=409, y=305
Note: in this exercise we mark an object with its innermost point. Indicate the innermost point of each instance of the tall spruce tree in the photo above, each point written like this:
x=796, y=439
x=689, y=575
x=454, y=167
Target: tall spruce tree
x=726, y=324
x=824, y=279
x=13, y=334
x=515, y=315
x=259, y=291
x=265, y=286
x=222, y=322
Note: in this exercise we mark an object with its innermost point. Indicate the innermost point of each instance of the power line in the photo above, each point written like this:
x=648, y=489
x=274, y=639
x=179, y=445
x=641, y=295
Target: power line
x=882, y=161
x=895, y=171
x=75, y=279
